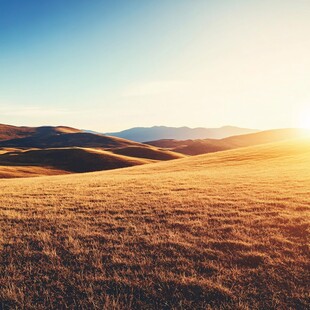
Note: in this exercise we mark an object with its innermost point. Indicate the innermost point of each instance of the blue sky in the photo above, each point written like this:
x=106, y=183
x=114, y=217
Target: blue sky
x=110, y=65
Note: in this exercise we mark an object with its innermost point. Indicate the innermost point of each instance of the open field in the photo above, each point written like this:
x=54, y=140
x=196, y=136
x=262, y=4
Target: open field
x=228, y=230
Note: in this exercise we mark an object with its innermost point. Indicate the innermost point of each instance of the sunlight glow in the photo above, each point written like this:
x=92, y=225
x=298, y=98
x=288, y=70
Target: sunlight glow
x=304, y=119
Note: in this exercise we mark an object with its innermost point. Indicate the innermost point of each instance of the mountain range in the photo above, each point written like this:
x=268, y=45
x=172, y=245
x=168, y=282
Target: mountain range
x=142, y=134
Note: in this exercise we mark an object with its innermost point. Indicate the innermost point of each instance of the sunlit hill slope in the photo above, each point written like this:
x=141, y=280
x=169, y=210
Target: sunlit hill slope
x=227, y=230
x=203, y=146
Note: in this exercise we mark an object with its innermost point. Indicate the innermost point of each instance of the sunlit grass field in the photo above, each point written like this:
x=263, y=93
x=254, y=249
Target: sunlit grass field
x=228, y=230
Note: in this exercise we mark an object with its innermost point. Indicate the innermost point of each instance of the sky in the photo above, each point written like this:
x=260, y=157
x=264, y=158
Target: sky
x=114, y=64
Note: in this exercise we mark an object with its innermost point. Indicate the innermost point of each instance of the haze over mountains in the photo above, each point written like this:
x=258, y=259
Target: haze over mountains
x=143, y=134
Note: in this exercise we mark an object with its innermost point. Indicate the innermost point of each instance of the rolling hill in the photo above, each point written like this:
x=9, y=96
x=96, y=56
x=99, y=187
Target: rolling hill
x=26, y=151
x=70, y=159
x=51, y=137
x=8, y=132
x=142, y=134
x=196, y=147
x=226, y=230
x=54, y=161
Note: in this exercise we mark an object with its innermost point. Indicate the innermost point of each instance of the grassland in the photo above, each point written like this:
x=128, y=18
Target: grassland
x=223, y=231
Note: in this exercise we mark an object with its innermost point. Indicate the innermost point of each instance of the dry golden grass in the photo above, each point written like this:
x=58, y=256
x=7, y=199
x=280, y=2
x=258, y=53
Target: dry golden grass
x=223, y=231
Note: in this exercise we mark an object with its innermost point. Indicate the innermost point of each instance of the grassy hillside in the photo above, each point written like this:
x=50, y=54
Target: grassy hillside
x=227, y=230
x=196, y=147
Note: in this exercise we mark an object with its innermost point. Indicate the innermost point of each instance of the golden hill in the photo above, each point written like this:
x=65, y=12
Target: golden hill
x=227, y=230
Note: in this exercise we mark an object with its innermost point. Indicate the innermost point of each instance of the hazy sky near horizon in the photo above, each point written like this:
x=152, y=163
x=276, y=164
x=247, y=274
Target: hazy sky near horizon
x=111, y=65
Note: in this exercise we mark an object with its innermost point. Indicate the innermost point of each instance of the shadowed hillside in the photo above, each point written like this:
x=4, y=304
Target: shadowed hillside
x=70, y=159
x=196, y=147
x=227, y=230
x=64, y=139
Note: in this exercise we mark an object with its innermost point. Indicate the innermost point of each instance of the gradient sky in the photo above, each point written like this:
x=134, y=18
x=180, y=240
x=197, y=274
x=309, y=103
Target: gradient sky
x=111, y=65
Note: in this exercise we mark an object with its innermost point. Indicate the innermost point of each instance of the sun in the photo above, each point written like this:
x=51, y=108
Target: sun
x=304, y=119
